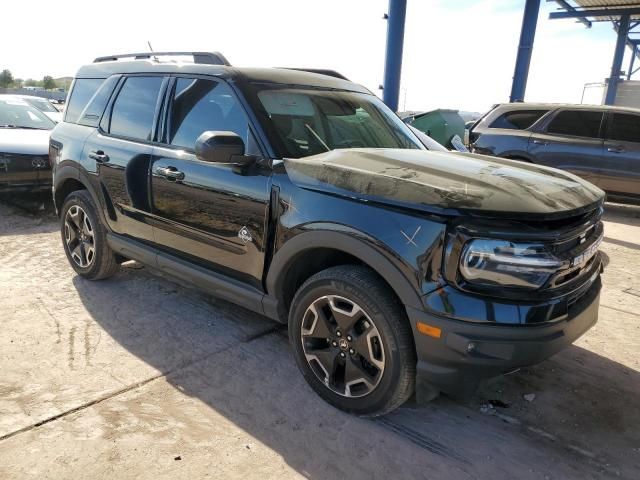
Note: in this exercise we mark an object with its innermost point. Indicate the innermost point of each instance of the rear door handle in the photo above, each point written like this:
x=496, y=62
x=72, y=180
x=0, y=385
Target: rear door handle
x=616, y=149
x=99, y=156
x=540, y=142
x=170, y=173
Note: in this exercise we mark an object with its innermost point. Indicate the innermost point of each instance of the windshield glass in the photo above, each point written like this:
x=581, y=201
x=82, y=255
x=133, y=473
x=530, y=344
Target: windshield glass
x=41, y=104
x=303, y=122
x=16, y=113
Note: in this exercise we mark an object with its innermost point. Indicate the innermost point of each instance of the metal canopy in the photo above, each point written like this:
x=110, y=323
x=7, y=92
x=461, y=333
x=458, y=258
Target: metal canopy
x=625, y=17
x=598, y=10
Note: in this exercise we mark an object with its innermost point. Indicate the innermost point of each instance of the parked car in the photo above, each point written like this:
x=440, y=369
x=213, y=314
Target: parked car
x=302, y=197
x=600, y=144
x=42, y=104
x=24, y=146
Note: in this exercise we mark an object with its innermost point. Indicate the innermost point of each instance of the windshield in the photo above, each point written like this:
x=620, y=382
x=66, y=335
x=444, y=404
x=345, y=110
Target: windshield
x=303, y=122
x=41, y=104
x=16, y=113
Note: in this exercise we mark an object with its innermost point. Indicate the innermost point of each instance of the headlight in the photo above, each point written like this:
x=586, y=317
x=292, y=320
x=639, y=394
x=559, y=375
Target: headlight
x=499, y=262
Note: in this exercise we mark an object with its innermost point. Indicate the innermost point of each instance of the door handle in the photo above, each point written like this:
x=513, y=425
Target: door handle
x=616, y=149
x=539, y=142
x=170, y=173
x=99, y=156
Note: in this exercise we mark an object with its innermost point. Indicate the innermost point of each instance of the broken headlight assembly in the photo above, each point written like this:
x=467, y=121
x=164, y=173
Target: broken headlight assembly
x=489, y=262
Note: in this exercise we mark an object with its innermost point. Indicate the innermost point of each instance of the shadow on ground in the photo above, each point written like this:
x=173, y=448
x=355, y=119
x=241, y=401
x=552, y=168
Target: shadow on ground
x=583, y=422
x=36, y=210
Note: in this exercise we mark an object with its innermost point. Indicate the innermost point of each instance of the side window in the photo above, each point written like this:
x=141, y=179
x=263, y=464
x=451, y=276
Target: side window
x=577, y=123
x=134, y=109
x=518, y=120
x=625, y=128
x=199, y=105
x=83, y=90
x=90, y=116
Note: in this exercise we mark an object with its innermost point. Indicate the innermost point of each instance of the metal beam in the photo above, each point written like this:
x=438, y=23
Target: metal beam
x=633, y=58
x=612, y=87
x=595, y=12
x=525, y=48
x=570, y=8
x=393, y=60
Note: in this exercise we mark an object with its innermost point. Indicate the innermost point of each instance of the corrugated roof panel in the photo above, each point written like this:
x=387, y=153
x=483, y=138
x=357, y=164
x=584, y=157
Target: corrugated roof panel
x=607, y=4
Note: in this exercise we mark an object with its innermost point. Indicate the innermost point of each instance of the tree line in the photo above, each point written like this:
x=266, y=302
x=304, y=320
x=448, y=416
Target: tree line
x=7, y=81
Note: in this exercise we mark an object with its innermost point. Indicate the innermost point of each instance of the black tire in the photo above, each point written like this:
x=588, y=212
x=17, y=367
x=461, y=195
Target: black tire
x=103, y=261
x=364, y=289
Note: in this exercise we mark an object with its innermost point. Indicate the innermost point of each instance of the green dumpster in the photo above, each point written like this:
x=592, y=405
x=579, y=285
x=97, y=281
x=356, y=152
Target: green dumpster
x=441, y=125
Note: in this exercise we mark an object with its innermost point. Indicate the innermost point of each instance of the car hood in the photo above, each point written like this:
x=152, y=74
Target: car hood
x=446, y=182
x=24, y=141
x=55, y=116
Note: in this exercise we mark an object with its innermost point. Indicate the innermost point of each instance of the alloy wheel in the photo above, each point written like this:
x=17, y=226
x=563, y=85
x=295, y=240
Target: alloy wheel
x=342, y=346
x=79, y=236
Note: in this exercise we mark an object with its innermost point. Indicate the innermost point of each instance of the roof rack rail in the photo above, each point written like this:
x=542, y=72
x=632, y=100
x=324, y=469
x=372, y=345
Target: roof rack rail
x=207, y=58
x=320, y=71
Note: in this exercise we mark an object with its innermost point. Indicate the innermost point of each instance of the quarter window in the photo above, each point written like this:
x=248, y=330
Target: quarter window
x=83, y=90
x=577, y=123
x=625, y=128
x=518, y=120
x=134, y=109
x=200, y=105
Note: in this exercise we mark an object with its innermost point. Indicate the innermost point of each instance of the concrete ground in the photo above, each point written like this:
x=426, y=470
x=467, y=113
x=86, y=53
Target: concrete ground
x=140, y=377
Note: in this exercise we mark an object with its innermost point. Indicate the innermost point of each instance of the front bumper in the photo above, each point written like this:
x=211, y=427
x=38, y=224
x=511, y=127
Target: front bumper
x=467, y=352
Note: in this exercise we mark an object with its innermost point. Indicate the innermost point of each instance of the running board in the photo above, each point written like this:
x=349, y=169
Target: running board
x=219, y=285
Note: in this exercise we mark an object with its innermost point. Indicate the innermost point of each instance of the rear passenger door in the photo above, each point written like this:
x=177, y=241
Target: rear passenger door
x=211, y=214
x=120, y=153
x=571, y=140
x=621, y=163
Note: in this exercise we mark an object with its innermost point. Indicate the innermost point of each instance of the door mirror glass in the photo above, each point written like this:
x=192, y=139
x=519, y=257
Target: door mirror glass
x=221, y=147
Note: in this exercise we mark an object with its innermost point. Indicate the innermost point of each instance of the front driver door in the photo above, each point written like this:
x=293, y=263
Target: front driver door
x=210, y=214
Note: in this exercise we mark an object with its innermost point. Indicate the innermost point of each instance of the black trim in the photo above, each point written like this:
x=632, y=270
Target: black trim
x=214, y=283
x=347, y=243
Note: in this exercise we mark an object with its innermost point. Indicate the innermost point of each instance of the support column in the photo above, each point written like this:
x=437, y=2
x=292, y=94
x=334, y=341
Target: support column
x=393, y=59
x=618, y=56
x=525, y=48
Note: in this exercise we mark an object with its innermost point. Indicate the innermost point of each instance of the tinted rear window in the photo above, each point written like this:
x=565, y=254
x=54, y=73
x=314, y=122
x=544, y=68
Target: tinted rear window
x=625, y=128
x=518, y=120
x=134, y=109
x=83, y=90
x=577, y=123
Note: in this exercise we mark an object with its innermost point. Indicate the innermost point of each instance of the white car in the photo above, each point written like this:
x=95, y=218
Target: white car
x=24, y=146
x=40, y=103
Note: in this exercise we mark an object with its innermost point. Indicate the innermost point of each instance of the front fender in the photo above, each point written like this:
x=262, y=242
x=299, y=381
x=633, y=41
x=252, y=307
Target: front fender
x=348, y=241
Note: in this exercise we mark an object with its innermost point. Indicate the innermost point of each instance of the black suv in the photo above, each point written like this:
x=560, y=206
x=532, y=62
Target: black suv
x=601, y=144
x=300, y=196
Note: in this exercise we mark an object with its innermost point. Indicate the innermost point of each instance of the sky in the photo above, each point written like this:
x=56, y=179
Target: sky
x=458, y=53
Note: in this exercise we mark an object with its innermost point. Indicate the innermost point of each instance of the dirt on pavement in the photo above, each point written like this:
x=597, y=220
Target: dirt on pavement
x=142, y=377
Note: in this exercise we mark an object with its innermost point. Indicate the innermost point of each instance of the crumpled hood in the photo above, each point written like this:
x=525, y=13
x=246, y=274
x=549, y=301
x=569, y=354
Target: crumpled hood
x=24, y=141
x=446, y=182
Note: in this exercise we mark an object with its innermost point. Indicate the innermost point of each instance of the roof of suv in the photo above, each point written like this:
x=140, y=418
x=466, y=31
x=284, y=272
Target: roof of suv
x=259, y=75
x=553, y=106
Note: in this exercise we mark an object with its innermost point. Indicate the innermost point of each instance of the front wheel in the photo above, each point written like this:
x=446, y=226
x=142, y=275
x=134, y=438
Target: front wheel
x=85, y=238
x=352, y=341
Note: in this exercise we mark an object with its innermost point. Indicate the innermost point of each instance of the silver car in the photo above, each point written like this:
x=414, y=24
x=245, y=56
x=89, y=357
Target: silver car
x=598, y=143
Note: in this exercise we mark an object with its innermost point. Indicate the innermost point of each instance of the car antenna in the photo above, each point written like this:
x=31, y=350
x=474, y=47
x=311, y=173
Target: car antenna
x=151, y=50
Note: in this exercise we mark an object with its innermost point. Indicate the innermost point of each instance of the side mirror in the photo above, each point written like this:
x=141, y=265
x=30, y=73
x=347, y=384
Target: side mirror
x=221, y=147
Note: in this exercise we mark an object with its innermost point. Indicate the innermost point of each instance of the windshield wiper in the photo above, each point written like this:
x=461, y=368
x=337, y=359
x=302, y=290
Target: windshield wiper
x=22, y=126
x=317, y=137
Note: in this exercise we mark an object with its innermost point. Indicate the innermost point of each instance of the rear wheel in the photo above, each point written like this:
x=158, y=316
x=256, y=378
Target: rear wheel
x=84, y=238
x=352, y=341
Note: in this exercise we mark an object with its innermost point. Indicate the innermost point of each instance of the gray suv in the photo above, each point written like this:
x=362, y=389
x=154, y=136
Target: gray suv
x=600, y=144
